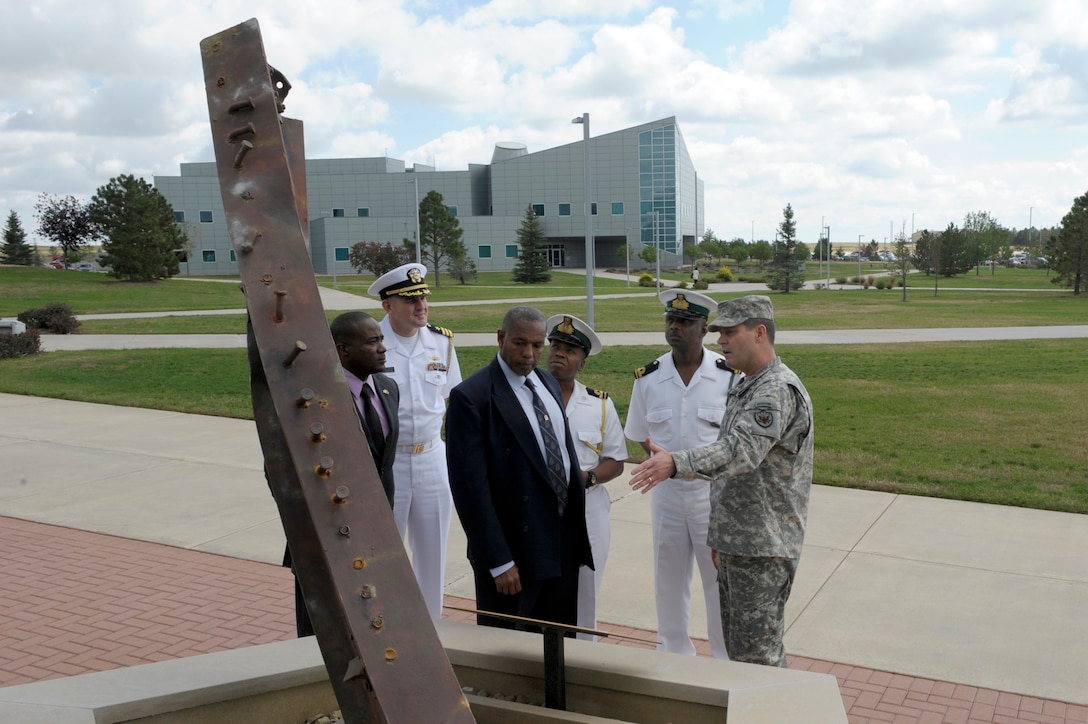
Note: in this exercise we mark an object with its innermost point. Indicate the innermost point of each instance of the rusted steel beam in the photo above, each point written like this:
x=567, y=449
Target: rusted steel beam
x=382, y=652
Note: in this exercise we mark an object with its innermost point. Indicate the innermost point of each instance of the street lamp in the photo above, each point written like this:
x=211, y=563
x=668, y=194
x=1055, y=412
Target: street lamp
x=415, y=185
x=590, y=265
x=859, y=257
x=657, y=254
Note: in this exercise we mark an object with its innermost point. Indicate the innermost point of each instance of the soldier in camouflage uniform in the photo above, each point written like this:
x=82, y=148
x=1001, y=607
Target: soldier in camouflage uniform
x=761, y=473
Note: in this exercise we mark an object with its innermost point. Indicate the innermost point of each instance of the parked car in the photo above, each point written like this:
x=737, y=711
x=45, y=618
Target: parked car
x=85, y=266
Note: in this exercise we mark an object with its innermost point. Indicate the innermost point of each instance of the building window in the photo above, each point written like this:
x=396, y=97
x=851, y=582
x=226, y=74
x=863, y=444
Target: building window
x=362, y=212
x=564, y=209
x=205, y=217
x=232, y=257
x=340, y=253
x=484, y=251
x=511, y=251
x=617, y=208
x=538, y=209
x=453, y=210
x=208, y=255
x=179, y=216
x=593, y=209
x=337, y=213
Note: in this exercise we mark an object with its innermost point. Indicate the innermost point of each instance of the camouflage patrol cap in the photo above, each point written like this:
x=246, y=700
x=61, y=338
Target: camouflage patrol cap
x=738, y=311
x=686, y=304
x=573, y=331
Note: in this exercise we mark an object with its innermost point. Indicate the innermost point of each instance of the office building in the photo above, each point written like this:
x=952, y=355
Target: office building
x=644, y=188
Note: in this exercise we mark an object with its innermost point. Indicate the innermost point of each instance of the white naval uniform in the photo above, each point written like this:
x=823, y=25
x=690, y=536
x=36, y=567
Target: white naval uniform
x=425, y=368
x=595, y=427
x=679, y=417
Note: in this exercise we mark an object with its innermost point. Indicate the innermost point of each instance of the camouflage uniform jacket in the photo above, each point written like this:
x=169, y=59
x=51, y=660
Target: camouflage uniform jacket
x=760, y=467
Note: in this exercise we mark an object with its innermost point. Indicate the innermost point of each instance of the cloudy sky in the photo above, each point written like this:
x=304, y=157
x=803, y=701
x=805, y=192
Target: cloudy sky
x=863, y=114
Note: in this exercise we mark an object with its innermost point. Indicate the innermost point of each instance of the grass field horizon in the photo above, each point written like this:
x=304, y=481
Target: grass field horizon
x=962, y=420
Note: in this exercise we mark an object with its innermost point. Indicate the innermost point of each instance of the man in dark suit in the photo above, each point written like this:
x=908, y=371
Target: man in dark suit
x=516, y=482
x=359, y=343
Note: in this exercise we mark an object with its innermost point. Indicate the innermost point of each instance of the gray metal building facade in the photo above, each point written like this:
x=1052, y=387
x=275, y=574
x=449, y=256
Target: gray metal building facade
x=635, y=172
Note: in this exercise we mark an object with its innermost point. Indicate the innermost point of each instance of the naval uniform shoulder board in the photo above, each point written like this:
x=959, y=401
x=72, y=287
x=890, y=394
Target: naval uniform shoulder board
x=597, y=393
x=724, y=367
x=440, y=330
x=647, y=369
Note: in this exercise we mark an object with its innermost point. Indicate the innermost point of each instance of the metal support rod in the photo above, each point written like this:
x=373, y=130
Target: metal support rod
x=590, y=260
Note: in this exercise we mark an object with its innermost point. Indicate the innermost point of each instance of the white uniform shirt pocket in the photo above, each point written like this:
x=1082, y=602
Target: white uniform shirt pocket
x=589, y=447
x=660, y=423
x=712, y=415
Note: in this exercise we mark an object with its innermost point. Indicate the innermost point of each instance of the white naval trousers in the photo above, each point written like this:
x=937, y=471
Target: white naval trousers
x=680, y=516
x=599, y=526
x=422, y=506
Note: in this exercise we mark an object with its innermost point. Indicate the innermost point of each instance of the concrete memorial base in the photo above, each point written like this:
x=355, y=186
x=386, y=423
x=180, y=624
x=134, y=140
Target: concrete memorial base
x=286, y=683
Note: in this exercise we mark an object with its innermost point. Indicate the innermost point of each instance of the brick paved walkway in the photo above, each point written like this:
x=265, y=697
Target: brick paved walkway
x=73, y=602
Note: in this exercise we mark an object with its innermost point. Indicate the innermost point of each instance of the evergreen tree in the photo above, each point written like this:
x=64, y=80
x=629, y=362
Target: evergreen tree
x=786, y=272
x=439, y=233
x=140, y=236
x=1068, y=250
x=16, y=250
x=532, y=266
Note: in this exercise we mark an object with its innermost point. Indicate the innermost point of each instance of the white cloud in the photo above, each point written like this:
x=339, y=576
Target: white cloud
x=857, y=111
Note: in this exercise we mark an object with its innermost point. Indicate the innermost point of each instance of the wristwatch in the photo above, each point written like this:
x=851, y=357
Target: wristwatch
x=591, y=479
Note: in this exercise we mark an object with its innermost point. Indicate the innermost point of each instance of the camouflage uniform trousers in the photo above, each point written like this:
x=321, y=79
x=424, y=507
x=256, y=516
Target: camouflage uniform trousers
x=753, y=593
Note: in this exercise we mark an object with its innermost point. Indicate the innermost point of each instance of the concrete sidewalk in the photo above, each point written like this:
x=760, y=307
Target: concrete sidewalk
x=983, y=596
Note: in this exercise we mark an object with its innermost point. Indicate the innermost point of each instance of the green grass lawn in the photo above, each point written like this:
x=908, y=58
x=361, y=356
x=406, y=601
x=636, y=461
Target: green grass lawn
x=970, y=421
x=955, y=420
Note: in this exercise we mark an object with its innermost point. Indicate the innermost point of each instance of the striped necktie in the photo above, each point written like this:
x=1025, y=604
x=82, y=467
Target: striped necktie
x=553, y=455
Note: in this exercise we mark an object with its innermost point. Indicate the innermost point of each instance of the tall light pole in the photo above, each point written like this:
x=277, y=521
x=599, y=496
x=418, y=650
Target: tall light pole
x=1030, y=210
x=657, y=254
x=859, y=257
x=590, y=265
x=415, y=185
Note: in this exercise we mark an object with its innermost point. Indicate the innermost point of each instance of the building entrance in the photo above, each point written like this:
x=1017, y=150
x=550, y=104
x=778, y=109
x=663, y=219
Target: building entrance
x=556, y=255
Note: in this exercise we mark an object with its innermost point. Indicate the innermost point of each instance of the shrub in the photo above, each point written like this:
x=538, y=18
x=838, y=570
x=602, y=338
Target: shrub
x=682, y=284
x=840, y=280
x=20, y=345
x=646, y=279
x=55, y=317
x=701, y=284
x=881, y=283
x=725, y=274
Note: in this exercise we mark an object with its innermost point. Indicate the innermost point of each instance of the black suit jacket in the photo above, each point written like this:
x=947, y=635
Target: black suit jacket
x=500, y=483
x=389, y=394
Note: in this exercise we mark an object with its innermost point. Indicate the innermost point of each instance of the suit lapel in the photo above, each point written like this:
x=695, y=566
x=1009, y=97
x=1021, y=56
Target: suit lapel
x=512, y=414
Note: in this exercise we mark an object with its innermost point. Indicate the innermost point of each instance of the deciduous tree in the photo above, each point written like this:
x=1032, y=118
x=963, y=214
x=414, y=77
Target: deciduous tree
x=136, y=223
x=439, y=232
x=65, y=222
x=378, y=258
